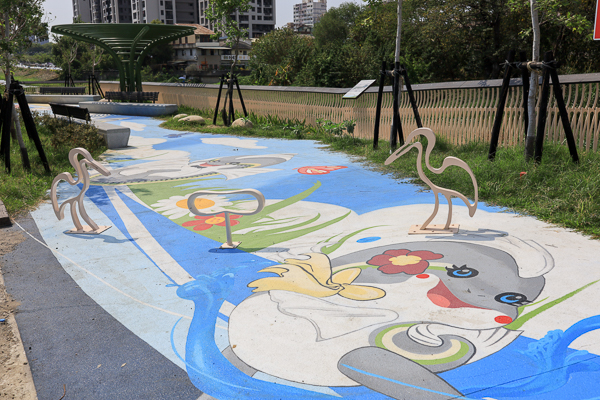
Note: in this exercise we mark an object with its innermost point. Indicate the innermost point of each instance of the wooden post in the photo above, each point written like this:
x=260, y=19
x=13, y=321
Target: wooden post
x=411, y=97
x=382, y=76
x=7, y=114
x=564, y=115
x=510, y=57
x=19, y=134
x=2, y=139
x=30, y=123
x=237, y=84
x=541, y=127
x=218, y=100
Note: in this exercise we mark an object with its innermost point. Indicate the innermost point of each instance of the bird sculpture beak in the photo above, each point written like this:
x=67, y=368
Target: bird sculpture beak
x=399, y=153
x=99, y=167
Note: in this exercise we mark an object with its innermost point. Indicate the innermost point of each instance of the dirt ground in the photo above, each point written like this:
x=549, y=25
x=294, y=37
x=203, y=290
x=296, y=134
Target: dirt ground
x=16, y=381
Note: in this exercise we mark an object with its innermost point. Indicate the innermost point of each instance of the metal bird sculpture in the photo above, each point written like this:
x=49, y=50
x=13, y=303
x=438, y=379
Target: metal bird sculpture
x=448, y=193
x=77, y=201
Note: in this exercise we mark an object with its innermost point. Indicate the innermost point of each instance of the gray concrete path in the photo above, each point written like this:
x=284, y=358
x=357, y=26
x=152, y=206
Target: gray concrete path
x=72, y=342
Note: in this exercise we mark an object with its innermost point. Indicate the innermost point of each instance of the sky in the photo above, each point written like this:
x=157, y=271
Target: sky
x=61, y=11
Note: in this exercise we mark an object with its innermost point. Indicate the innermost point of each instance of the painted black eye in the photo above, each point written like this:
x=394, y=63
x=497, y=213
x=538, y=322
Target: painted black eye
x=513, y=299
x=461, y=272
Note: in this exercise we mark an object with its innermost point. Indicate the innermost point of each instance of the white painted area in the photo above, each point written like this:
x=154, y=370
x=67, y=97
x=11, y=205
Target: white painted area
x=129, y=286
x=134, y=126
x=226, y=308
x=576, y=257
x=146, y=241
x=282, y=333
x=206, y=397
x=234, y=142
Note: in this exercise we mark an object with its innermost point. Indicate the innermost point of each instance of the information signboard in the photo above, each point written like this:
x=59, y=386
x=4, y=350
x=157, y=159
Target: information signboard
x=360, y=87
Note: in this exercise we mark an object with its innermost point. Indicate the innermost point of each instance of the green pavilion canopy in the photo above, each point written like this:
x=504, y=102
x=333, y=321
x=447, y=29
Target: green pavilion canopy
x=128, y=44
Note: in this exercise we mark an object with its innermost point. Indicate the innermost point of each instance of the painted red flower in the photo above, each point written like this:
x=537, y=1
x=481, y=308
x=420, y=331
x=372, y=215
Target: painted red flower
x=409, y=262
x=319, y=170
x=202, y=223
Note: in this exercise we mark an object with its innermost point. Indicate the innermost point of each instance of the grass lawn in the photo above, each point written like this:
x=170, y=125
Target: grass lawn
x=34, y=74
x=22, y=190
x=556, y=191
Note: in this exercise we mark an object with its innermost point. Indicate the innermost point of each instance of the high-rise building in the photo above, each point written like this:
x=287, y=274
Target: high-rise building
x=136, y=11
x=309, y=12
x=82, y=10
x=259, y=20
x=167, y=11
x=109, y=11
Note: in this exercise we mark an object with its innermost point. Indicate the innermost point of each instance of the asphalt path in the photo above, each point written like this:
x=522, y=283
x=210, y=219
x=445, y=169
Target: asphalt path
x=72, y=343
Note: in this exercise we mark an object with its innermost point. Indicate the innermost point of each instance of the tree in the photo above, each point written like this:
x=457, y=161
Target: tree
x=279, y=57
x=334, y=27
x=96, y=55
x=20, y=21
x=533, y=83
x=159, y=55
x=562, y=19
x=68, y=55
x=221, y=13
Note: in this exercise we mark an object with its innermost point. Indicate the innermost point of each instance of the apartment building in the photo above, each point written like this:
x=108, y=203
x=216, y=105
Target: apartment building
x=309, y=12
x=259, y=20
x=106, y=11
x=83, y=10
x=136, y=11
x=167, y=11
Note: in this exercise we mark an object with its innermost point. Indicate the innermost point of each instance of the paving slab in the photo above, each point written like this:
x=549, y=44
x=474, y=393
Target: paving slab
x=327, y=296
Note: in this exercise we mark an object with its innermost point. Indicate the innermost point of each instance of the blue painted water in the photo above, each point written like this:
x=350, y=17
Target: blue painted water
x=544, y=369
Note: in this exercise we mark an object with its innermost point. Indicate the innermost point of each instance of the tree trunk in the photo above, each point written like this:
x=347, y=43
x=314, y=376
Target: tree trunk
x=533, y=84
x=398, y=32
x=7, y=67
x=231, y=117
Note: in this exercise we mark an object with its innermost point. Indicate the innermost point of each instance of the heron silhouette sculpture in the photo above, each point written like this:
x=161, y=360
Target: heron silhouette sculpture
x=448, y=193
x=77, y=201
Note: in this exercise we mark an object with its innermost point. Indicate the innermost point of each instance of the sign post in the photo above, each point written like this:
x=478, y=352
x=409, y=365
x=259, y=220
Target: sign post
x=596, y=20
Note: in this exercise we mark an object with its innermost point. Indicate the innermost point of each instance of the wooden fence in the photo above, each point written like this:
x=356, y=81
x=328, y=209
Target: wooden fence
x=459, y=111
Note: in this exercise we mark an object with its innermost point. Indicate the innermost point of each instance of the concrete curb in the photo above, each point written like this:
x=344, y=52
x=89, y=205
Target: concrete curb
x=4, y=218
x=60, y=98
x=137, y=109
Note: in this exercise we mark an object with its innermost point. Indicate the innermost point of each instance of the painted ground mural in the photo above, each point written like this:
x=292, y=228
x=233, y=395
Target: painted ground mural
x=328, y=296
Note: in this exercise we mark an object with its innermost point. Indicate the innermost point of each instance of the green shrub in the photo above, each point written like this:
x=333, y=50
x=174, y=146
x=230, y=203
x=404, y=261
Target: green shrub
x=71, y=134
